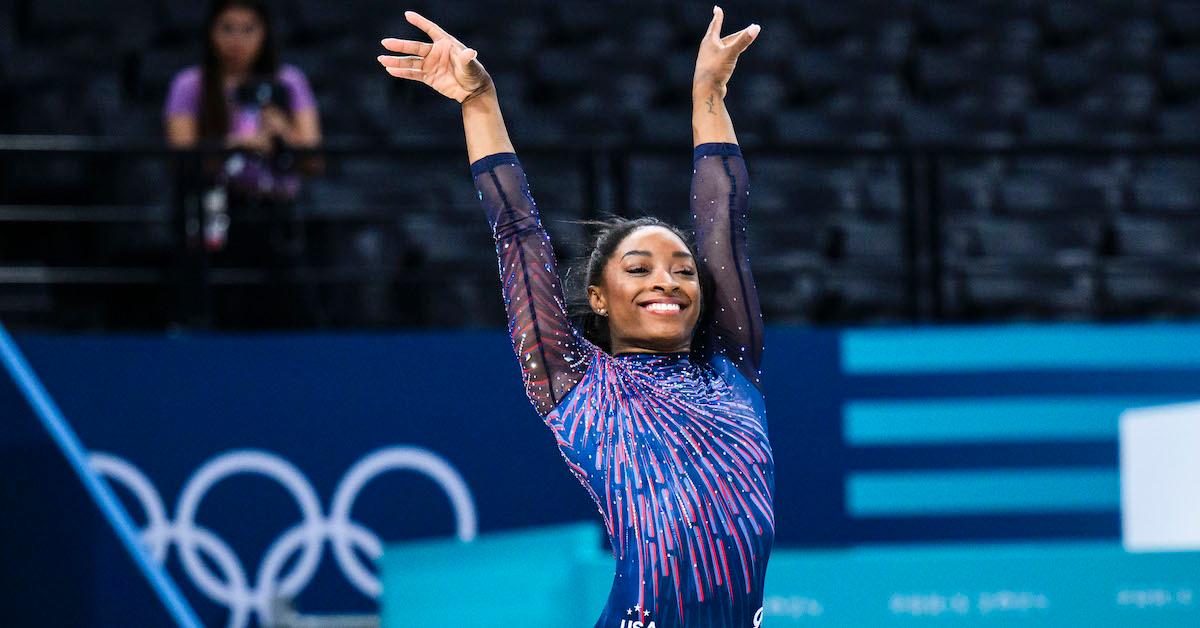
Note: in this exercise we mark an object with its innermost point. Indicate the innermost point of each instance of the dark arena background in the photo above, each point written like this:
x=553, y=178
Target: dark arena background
x=269, y=382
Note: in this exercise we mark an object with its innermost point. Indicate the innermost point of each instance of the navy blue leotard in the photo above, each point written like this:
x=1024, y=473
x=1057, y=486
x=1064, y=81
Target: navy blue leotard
x=671, y=446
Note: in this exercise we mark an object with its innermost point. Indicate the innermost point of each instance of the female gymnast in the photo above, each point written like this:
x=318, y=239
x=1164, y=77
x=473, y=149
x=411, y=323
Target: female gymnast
x=656, y=403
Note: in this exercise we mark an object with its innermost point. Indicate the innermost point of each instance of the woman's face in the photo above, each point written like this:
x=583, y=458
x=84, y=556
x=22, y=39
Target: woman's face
x=237, y=36
x=650, y=292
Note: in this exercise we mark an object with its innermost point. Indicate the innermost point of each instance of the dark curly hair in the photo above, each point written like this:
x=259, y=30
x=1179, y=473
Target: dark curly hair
x=589, y=270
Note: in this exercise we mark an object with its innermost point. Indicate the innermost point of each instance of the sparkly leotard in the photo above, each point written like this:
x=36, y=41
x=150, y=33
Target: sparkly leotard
x=671, y=446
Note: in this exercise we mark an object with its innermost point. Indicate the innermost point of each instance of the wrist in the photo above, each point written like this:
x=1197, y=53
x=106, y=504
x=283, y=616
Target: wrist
x=702, y=89
x=486, y=94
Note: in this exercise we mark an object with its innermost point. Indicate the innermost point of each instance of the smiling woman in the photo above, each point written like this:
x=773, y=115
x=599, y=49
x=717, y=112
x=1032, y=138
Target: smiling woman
x=636, y=268
x=655, y=401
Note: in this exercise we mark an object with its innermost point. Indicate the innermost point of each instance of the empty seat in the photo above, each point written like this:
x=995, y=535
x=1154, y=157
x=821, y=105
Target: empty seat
x=1181, y=72
x=999, y=97
x=952, y=21
x=538, y=126
x=1020, y=292
x=158, y=67
x=648, y=37
x=817, y=126
x=1157, y=289
x=820, y=70
x=863, y=294
x=1163, y=239
x=942, y=125
x=663, y=127
x=1122, y=96
x=1137, y=44
x=1168, y=192
x=1043, y=194
x=874, y=241
x=940, y=70
x=757, y=94
x=881, y=95
x=1179, y=125
x=827, y=20
x=632, y=93
x=678, y=70
x=1065, y=242
x=885, y=194
x=657, y=184
x=778, y=42
x=580, y=21
x=1182, y=17
x=557, y=183
x=810, y=191
x=967, y=191
x=1057, y=126
x=1063, y=74
x=564, y=68
x=801, y=237
x=787, y=296
x=93, y=21
x=1070, y=20
x=316, y=20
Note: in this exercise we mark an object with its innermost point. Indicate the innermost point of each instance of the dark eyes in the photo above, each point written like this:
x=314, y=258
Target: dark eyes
x=639, y=269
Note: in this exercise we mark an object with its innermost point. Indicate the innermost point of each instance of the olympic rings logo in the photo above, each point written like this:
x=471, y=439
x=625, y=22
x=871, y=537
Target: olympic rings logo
x=234, y=590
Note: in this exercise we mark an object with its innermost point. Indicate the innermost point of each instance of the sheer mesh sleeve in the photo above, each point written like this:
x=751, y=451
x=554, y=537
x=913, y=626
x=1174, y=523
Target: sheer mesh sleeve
x=720, y=200
x=552, y=355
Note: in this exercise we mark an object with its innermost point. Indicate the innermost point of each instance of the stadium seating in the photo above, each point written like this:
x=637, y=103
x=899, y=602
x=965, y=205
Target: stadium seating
x=1073, y=228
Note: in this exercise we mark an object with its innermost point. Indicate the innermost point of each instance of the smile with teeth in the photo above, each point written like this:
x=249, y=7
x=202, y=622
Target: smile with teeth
x=668, y=308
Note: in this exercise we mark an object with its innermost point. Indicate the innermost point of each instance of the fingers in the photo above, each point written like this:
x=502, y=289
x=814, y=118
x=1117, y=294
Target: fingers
x=389, y=61
x=434, y=31
x=407, y=73
x=742, y=39
x=407, y=46
x=714, y=27
x=464, y=57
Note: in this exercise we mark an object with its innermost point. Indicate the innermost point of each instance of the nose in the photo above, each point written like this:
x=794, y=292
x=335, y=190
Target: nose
x=666, y=281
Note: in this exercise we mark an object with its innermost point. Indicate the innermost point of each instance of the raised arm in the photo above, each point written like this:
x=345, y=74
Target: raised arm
x=552, y=355
x=720, y=201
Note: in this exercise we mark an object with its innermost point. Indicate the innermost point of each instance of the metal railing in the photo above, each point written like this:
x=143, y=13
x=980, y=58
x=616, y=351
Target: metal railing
x=183, y=278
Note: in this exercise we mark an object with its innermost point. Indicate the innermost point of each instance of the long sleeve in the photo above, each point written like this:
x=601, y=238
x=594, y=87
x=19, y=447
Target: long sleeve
x=552, y=354
x=720, y=201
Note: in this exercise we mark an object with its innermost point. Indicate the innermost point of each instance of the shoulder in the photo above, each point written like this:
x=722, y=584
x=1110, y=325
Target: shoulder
x=187, y=78
x=183, y=97
x=727, y=371
x=292, y=76
x=296, y=83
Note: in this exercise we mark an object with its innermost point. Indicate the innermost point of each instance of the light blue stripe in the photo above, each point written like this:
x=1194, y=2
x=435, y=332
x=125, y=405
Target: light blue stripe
x=68, y=442
x=910, y=493
x=987, y=419
x=1020, y=347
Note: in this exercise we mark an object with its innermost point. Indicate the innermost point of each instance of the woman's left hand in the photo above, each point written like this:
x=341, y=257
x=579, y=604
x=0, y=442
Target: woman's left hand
x=718, y=55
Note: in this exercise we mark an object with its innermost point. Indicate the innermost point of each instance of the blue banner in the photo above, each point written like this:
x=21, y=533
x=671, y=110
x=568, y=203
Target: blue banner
x=263, y=465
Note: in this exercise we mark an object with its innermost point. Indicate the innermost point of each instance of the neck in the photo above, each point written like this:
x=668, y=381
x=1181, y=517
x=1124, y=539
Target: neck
x=626, y=347
x=234, y=75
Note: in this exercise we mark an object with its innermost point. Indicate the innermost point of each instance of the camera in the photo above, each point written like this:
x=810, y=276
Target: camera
x=260, y=93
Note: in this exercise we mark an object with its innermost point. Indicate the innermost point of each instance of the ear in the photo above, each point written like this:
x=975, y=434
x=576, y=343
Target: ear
x=596, y=299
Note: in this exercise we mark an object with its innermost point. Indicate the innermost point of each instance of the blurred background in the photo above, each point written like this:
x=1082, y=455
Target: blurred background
x=975, y=234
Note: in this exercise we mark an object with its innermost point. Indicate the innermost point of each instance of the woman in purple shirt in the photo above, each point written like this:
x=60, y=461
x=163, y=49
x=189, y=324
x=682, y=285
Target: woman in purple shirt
x=655, y=404
x=241, y=97
x=204, y=102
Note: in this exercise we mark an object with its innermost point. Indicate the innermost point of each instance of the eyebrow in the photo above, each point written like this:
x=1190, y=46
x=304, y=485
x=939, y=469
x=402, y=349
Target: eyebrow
x=647, y=254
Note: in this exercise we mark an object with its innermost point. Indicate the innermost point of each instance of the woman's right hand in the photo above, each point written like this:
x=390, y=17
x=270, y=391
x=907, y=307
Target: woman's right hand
x=445, y=64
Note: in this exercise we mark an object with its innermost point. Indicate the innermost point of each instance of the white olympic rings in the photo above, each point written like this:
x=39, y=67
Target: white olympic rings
x=234, y=590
